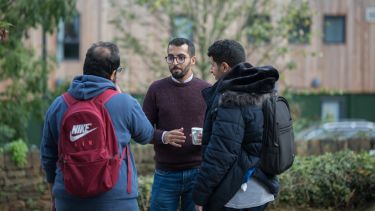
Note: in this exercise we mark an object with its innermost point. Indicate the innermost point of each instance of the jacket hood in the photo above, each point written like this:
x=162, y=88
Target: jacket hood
x=231, y=98
x=85, y=87
x=246, y=78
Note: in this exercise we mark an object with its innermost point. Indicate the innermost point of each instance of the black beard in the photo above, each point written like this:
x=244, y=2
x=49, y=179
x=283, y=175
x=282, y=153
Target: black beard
x=181, y=74
x=178, y=75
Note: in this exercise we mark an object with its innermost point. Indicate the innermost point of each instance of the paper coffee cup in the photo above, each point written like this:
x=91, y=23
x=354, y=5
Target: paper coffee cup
x=195, y=131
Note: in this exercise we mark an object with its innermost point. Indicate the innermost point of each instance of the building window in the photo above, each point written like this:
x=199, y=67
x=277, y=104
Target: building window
x=299, y=33
x=68, y=39
x=330, y=111
x=370, y=14
x=334, y=29
x=333, y=108
x=182, y=26
x=258, y=29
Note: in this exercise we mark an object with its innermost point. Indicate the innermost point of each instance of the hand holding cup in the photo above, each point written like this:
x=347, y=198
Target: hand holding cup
x=196, y=135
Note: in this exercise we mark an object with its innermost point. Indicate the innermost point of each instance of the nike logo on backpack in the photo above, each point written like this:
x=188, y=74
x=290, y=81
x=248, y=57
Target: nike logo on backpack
x=79, y=131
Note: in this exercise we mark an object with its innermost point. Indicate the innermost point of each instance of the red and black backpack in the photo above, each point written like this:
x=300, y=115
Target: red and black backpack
x=88, y=148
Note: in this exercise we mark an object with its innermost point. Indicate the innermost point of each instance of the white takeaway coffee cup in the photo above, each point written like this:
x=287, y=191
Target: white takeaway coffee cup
x=195, y=131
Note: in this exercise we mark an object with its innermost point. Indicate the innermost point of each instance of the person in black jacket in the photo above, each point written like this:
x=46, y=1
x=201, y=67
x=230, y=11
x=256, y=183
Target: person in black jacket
x=229, y=177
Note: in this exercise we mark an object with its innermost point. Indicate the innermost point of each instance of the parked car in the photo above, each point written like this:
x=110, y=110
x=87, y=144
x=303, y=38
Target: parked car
x=342, y=130
x=335, y=136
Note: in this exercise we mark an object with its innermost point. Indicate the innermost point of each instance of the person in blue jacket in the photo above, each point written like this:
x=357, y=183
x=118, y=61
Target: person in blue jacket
x=101, y=65
x=229, y=177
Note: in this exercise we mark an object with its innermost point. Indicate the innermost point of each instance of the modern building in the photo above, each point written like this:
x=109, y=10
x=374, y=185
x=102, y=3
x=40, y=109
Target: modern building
x=336, y=63
x=342, y=74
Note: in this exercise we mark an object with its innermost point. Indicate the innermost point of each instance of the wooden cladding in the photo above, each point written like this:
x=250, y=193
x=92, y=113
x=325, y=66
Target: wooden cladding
x=346, y=66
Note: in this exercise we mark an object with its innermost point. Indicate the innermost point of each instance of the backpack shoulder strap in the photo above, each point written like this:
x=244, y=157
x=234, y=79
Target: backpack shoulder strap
x=284, y=100
x=129, y=167
x=105, y=96
x=69, y=99
x=101, y=99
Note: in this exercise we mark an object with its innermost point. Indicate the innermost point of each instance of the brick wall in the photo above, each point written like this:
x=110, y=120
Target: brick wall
x=26, y=189
x=22, y=188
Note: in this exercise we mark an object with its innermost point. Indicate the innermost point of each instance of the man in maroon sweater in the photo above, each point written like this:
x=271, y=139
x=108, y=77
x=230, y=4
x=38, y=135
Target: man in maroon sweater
x=174, y=105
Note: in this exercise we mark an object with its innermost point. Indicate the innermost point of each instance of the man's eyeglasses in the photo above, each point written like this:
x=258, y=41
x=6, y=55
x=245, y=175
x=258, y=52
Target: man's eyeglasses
x=120, y=69
x=179, y=59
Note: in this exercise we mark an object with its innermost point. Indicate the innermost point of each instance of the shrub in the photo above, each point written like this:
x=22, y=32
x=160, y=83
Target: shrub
x=340, y=180
x=18, y=152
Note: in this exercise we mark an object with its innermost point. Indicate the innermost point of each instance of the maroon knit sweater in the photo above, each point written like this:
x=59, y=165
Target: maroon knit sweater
x=170, y=105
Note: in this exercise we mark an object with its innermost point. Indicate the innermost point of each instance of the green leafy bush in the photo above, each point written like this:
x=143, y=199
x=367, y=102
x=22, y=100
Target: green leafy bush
x=25, y=73
x=6, y=133
x=338, y=181
x=18, y=151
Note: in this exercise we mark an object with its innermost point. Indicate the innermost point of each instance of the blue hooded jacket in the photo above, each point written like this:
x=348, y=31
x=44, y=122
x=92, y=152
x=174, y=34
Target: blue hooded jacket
x=128, y=120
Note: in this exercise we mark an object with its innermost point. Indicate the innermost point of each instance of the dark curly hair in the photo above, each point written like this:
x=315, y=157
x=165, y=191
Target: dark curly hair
x=228, y=51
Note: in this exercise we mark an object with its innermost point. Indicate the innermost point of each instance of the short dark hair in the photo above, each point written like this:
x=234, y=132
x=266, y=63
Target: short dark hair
x=180, y=41
x=102, y=58
x=228, y=51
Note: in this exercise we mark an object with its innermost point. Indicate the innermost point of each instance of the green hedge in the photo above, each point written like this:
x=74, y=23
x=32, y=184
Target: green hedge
x=341, y=180
x=337, y=180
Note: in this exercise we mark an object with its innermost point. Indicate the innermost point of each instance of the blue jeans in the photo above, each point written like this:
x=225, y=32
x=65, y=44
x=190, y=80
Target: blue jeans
x=171, y=187
x=91, y=204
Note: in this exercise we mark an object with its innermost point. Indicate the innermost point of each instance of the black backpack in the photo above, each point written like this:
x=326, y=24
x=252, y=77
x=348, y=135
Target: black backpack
x=278, y=148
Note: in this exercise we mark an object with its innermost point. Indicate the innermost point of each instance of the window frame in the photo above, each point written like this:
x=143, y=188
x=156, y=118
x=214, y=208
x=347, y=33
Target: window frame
x=62, y=42
x=174, y=29
x=342, y=17
x=297, y=23
x=249, y=22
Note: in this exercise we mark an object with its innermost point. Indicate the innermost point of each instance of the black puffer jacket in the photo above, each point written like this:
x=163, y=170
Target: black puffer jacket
x=233, y=119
